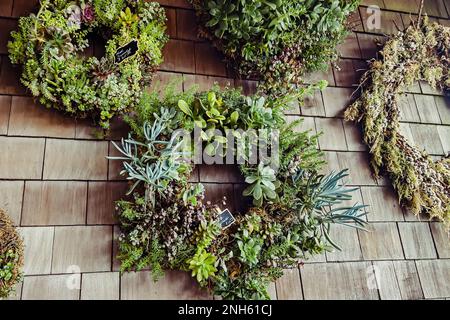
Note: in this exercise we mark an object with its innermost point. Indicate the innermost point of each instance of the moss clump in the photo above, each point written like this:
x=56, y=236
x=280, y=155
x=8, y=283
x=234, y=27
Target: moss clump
x=418, y=53
x=11, y=255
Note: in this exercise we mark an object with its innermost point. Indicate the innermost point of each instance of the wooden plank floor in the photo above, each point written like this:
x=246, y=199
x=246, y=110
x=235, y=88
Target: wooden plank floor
x=57, y=185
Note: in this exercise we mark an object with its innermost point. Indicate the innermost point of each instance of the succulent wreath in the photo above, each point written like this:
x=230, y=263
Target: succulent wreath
x=277, y=41
x=165, y=221
x=51, y=46
x=421, y=52
x=11, y=255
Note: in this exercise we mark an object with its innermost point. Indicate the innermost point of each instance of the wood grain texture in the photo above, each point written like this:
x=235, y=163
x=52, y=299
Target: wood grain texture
x=87, y=160
x=100, y=286
x=83, y=248
x=381, y=242
x=174, y=285
x=289, y=285
x=434, y=277
x=54, y=203
x=52, y=287
x=338, y=281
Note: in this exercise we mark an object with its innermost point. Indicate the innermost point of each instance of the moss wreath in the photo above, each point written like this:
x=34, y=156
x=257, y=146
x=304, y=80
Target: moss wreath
x=51, y=45
x=11, y=255
x=421, y=52
x=166, y=223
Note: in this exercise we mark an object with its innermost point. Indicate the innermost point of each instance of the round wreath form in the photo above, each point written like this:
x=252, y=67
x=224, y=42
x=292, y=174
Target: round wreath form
x=277, y=41
x=167, y=224
x=51, y=46
x=421, y=52
x=11, y=255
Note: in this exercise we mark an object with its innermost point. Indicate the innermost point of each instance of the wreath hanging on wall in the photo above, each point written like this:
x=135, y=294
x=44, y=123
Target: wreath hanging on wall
x=166, y=223
x=277, y=41
x=421, y=52
x=11, y=255
x=50, y=47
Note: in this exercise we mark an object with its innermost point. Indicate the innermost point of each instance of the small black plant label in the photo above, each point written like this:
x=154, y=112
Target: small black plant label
x=226, y=219
x=126, y=51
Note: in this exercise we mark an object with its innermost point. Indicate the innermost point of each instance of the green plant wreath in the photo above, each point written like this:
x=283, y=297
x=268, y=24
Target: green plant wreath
x=276, y=41
x=11, y=255
x=418, y=53
x=166, y=223
x=50, y=46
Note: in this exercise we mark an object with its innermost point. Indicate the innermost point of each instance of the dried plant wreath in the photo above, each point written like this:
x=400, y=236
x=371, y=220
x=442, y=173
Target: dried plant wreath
x=166, y=223
x=11, y=255
x=421, y=52
x=51, y=46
